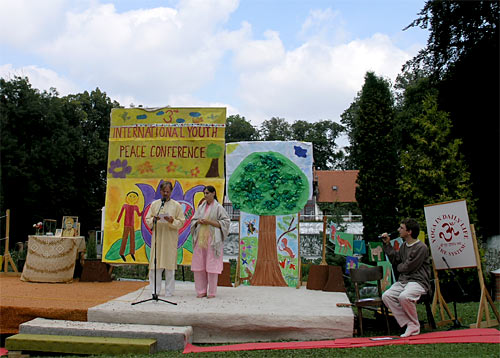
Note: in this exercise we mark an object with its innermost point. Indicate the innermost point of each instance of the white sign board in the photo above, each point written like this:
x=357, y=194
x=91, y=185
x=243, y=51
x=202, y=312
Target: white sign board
x=450, y=235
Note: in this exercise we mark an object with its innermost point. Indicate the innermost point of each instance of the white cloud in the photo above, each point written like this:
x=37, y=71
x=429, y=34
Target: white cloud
x=40, y=78
x=171, y=55
x=149, y=54
x=318, y=81
x=257, y=54
x=326, y=26
x=25, y=22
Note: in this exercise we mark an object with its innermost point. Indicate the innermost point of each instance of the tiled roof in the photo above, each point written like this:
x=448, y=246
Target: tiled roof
x=336, y=185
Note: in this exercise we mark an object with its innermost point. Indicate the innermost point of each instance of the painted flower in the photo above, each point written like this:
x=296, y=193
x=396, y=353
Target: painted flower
x=195, y=172
x=171, y=167
x=119, y=168
x=186, y=200
x=146, y=167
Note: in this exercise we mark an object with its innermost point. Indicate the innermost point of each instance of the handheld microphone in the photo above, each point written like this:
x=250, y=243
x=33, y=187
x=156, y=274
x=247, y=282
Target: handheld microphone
x=163, y=200
x=391, y=235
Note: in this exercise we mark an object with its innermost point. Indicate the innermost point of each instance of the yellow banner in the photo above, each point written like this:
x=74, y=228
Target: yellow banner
x=133, y=198
x=146, y=146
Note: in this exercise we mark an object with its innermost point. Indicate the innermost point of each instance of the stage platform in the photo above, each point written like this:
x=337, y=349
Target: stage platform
x=238, y=314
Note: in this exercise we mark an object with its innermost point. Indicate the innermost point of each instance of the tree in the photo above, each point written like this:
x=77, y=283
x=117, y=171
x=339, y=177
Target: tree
x=238, y=129
x=348, y=119
x=371, y=124
x=322, y=135
x=53, y=155
x=93, y=111
x=462, y=57
x=275, y=129
x=38, y=147
x=432, y=167
x=456, y=29
x=268, y=184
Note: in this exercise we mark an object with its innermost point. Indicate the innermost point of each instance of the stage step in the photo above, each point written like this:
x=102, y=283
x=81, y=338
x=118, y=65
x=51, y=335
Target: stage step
x=167, y=337
x=79, y=345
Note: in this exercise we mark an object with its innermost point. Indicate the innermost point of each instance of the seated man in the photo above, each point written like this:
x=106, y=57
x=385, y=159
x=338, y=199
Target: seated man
x=412, y=262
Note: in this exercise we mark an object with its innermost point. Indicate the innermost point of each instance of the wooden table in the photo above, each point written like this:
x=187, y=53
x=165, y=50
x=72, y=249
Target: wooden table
x=51, y=258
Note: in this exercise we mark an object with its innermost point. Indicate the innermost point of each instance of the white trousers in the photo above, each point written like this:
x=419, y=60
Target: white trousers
x=169, y=281
x=402, y=299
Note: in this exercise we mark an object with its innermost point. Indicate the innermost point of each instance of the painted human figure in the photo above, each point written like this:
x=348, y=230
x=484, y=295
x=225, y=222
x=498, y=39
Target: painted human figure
x=129, y=208
x=412, y=262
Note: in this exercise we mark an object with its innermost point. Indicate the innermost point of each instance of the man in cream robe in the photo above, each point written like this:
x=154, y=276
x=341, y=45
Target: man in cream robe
x=169, y=219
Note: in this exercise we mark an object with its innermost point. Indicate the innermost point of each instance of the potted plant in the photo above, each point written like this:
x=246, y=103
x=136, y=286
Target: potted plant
x=93, y=268
x=38, y=228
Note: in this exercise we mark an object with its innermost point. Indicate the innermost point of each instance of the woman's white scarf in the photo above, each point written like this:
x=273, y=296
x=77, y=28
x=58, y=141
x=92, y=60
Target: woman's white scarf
x=208, y=214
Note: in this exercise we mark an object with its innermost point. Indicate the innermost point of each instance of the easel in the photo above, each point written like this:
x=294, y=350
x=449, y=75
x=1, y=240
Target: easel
x=7, y=259
x=483, y=305
x=438, y=299
x=323, y=260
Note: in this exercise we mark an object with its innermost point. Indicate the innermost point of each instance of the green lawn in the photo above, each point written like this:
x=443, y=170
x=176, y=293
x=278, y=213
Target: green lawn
x=466, y=311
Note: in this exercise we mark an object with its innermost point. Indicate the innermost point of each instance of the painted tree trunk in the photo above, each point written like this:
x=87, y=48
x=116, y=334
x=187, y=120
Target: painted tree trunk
x=267, y=271
x=213, y=171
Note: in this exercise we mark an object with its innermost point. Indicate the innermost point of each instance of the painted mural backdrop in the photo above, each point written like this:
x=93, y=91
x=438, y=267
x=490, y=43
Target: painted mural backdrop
x=287, y=244
x=147, y=146
x=269, y=182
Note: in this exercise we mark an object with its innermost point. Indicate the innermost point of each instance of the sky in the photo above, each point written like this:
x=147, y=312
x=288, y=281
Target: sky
x=293, y=59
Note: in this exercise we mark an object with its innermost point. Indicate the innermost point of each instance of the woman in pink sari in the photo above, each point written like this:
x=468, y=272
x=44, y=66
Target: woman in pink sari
x=209, y=227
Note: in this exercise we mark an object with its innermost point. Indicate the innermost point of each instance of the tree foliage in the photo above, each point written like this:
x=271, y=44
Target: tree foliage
x=461, y=58
x=371, y=123
x=275, y=129
x=238, y=129
x=322, y=135
x=432, y=167
x=53, y=152
x=456, y=29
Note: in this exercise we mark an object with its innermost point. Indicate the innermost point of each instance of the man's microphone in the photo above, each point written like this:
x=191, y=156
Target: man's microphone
x=391, y=235
x=163, y=200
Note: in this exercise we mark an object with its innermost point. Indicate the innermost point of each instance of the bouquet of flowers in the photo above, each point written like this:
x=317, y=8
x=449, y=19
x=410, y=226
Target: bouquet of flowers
x=38, y=227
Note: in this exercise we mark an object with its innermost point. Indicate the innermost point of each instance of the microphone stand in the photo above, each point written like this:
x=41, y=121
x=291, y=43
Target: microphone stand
x=456, y=322
x=155, y=295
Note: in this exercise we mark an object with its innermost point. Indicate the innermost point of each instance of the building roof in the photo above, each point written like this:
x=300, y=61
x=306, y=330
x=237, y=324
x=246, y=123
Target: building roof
x=336, y=185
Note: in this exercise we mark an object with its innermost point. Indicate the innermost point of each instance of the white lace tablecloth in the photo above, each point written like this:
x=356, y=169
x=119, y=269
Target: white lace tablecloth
x=51, y=258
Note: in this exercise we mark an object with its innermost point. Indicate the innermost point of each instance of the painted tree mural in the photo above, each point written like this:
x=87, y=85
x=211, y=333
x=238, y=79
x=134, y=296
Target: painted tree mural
x=214, y=151
x=268, y=184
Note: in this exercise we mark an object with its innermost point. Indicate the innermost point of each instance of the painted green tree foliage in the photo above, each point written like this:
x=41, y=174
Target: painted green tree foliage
x=213, y=151
x=371, y=124
x=268, y=184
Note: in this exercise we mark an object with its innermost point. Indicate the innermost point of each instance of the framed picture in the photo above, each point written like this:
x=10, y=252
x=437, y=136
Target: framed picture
x=70, y=226
x=49, y=226
x=58, y=233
